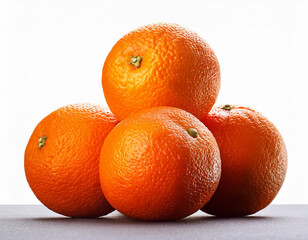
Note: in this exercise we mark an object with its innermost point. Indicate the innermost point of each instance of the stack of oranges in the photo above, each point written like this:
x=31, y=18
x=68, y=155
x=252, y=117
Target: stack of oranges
x=164, y=151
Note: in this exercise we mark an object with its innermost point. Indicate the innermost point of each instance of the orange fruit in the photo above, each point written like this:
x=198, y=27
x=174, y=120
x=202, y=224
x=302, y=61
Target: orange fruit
x=62, y=160
x=159, y=164
x=254, y=161
x=161, y=65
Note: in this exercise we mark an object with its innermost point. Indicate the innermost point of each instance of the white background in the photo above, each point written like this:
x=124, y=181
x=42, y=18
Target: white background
x=52, y=53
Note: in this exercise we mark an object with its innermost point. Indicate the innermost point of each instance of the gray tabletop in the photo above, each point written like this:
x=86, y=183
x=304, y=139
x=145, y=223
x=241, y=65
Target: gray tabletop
x=37, y=222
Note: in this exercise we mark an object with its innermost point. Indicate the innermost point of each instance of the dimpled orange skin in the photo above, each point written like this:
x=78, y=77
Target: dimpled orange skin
x=178, y=69
x=151, y=168
x=254, y=161
x=64, y=173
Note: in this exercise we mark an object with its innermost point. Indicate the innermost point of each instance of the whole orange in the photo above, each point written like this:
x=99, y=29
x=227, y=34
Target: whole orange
x=62, y=160
x=254, y=161
x=159, y=164
x=161, y=65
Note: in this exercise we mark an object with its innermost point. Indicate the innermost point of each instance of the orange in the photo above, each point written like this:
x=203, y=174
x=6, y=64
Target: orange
x=62, y=160
x=254, y=161
x=159, y=164
x=161, y=65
